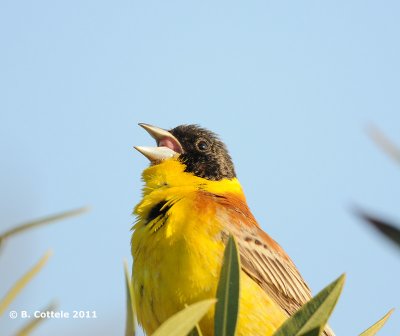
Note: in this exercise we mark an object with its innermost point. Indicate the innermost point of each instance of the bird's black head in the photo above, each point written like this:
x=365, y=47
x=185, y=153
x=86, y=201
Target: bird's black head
x=203, y=153
x=200, y=150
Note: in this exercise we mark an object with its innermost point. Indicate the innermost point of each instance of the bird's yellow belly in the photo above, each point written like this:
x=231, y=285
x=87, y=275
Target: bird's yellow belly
x=175, y=266
x=258, y=313
x=180, y=264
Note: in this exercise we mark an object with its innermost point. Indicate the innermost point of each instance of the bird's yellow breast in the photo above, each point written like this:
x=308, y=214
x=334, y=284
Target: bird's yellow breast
x=178, y=245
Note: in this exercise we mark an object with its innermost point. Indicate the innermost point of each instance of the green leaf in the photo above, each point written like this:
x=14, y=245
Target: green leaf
x=46, y=220
x=313, y=316
x=184, y=321
x=22, y=282
x=371, y=331
x=198, y=330
x=227, y=307
x=387, y=229
x=130, y=304
x=31, y=326
x=195, y=331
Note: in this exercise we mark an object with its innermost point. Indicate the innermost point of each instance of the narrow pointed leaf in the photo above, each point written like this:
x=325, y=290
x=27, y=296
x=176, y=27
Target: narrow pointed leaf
x=184, y=321
x=130, y=304
x=198, y=330
x=311, y=319
x=22, y=282
x=46, y=220
x=371, y=331
x=390, y=148
x=387, y=229
x=34, y=323
x=227, y=307
x=195, y=331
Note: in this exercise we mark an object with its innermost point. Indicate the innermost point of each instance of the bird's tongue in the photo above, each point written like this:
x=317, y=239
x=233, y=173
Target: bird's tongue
x=170, y=143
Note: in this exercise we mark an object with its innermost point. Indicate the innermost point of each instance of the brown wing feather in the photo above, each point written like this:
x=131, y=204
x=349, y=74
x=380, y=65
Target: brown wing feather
x=262, y=258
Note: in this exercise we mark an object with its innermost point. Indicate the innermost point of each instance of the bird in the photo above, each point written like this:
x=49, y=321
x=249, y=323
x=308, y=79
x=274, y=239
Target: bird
x=192, y=201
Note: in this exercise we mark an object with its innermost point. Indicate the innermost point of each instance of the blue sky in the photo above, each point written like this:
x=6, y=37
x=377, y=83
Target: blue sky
x=290, y=87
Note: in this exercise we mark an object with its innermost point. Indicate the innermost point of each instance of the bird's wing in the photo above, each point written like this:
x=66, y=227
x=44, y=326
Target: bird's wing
x=267, y=264
x=261, y=257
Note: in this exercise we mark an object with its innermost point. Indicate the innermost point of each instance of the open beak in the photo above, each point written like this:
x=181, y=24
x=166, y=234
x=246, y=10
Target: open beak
x=167, y=145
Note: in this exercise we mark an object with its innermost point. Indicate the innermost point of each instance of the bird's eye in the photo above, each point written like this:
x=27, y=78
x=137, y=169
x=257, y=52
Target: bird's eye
x=202, y=145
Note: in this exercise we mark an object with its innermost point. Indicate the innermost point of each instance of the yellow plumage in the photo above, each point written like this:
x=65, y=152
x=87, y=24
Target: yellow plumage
x=192, y=201
x=178, y=254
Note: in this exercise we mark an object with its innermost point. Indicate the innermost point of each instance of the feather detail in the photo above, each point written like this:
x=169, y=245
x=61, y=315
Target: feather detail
x=261, y=257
